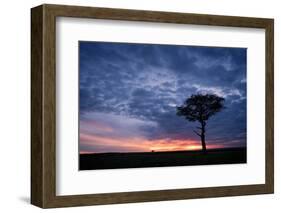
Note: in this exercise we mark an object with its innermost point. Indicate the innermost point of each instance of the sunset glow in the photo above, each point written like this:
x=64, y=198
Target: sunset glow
x=141, y=145
x=138, y=144
x=103, y=138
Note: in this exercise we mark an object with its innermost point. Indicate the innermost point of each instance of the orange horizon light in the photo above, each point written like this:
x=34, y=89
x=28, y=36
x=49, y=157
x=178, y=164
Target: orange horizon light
x=139, y=144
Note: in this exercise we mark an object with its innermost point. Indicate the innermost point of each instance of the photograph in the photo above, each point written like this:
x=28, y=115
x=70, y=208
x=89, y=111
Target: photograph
x=161, y=105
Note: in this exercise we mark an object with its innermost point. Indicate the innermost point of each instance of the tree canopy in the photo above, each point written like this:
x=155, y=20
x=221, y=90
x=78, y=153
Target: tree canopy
x=201, y=107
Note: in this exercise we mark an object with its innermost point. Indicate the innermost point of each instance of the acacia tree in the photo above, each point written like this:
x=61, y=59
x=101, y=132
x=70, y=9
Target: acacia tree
x=200, y=108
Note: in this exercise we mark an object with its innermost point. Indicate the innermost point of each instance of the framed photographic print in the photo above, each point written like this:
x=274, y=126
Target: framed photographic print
x=137, y=106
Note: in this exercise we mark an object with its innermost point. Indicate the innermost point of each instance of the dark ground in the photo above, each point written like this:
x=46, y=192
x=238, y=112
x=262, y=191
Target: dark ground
x=160, y=159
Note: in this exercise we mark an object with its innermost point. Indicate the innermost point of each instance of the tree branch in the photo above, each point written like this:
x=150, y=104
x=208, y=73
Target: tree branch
x=197, y=133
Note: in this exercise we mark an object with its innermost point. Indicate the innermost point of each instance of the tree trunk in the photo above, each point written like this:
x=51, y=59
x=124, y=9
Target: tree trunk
x=203, y=124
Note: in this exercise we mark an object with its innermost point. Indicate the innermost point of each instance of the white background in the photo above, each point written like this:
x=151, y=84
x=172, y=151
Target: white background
x=70, y=31
x=15, y=106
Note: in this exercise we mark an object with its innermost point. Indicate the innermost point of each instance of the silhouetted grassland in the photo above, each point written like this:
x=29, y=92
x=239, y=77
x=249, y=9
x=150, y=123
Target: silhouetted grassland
x=161, y=159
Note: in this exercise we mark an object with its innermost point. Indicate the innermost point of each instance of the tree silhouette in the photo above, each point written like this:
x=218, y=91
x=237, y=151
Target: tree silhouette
x=200, y=108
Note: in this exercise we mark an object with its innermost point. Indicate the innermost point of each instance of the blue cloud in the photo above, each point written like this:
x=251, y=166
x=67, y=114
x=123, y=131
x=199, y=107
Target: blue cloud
x=147, y=82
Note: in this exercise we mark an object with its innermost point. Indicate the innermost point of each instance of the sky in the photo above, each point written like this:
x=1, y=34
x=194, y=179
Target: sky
x=128, y=95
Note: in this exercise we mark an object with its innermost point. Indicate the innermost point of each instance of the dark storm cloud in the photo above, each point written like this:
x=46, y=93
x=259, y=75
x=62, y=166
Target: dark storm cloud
x=147, y=82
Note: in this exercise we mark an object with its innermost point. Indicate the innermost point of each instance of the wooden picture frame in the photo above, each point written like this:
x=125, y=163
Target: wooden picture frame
x=43, y=105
